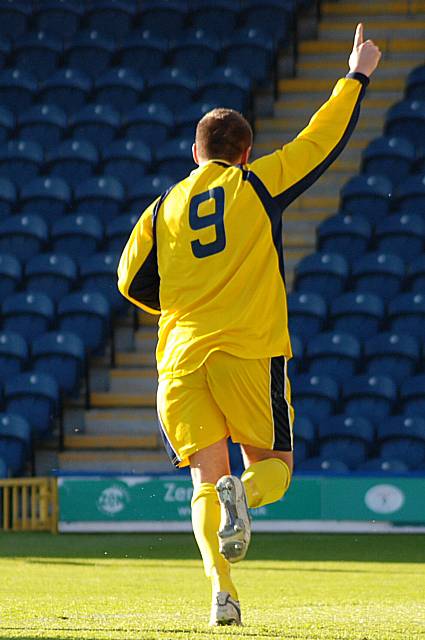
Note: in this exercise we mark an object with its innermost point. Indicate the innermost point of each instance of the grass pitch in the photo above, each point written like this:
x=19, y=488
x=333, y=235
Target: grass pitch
x=151, y=587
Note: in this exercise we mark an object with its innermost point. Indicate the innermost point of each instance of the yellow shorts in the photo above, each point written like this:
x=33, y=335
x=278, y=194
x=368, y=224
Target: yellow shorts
x=246, y=400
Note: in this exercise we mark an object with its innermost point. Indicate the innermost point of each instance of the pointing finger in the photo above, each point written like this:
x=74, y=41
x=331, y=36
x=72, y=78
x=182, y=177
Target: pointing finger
x=358, y=37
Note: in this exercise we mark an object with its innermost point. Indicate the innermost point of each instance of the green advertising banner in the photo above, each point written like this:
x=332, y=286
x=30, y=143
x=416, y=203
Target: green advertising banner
x=137, y=503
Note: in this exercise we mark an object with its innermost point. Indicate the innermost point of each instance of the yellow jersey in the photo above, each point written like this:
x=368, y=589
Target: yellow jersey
x=207, y=254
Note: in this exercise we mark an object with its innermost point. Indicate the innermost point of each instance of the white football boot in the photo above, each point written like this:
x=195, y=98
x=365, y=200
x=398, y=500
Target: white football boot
x=235, y=525
x=225, y=610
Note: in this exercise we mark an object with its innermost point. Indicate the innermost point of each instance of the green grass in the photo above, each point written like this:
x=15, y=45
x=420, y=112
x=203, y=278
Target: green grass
x=297, y=587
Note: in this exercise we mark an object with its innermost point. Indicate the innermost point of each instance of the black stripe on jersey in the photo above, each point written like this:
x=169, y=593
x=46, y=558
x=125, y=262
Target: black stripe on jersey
x=286, y=197
x=280, y=407
x=273, y=212
x=145, y=284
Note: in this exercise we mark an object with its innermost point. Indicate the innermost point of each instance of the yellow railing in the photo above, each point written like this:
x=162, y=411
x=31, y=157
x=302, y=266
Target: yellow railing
x=29, y=504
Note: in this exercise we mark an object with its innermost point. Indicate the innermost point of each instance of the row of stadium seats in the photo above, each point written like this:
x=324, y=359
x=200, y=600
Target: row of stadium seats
x=77, y=160
x=361, y=314
x=343, y=355
x=384, y=274
x=195, y=51
x=165, y=18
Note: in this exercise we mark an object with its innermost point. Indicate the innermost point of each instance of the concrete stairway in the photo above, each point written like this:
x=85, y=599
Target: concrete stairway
x=399, y=29
x=119, y=432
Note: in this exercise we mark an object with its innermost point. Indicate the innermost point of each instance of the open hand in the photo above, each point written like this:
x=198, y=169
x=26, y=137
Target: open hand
x=365, y=56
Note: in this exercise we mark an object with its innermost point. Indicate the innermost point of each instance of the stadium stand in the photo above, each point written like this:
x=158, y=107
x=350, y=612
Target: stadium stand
x=99, y=101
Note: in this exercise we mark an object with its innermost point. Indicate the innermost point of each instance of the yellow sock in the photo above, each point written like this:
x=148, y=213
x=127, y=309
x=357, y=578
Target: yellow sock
x=206, y=523
x=266, y=481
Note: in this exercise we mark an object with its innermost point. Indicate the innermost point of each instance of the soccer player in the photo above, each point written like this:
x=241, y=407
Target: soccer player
x=207, y=256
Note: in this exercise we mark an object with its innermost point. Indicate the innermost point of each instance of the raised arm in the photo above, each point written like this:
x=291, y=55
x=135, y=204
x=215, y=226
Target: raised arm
x=291, y=170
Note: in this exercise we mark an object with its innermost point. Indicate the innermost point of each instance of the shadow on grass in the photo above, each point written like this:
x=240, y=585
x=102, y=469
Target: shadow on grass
x=400, y=548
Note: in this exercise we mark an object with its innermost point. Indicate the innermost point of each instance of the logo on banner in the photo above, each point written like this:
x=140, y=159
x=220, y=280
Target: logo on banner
x=113, y=500
x=384, y=498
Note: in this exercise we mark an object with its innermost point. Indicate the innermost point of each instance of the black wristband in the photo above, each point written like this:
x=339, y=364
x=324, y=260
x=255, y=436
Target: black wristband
x=356, y=75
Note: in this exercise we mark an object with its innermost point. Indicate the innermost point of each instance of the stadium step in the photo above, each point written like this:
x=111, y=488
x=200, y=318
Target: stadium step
x=120, y=462
x=375, y=8
x=123, y=400
x=331, y=69
x=137, y=380
x=120, y=421
x=113, y=442
x=396, y=45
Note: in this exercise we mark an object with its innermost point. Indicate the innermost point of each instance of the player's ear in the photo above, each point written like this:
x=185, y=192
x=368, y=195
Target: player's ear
x=195, y=153
x=245, y=155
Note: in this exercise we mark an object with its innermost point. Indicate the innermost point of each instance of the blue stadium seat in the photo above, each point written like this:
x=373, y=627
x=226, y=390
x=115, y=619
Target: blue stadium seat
x=305, y=439
x=402, y=234
x=73, y=160
x=55, y=273
x=7, y=124
x=390, y=156
x=412, y=395
x=228, y=86
x=360, y=314
x=61, y=354
x=113, y=17
x=150, y=122
x=272, y=16
x=23, y=235
x=319, y=464
x=98, y=123
x=62, y=18
x=314, y=396
x=344, y=234
x=15, y=441
x=146, y=190
x=346, y=438
x=406, y=314
x=10, y=274
x=403, y=437
x=37, y=53
x=392, y=354
x=20, y=160
x=378, y=273
x=195, y=52
x=17, y=89
x=4, y=472
x=49, y=197
x=174, y=158
x=99, y=273
x=66, y=88
x=102, y=196
x=367, y=195
x=410, y=195
x=34, y=396
x=90, y=52
x=251, y=51
x=77, y=235
x=163, y=17
x=13, y=354
x=333, y=354
x=8, y=194
x=44, y=124
x=187, y=119
x=383, y=466
x=216, y=17
x=14, y=17
x=416, y=276
x=118, y=231
x=295, y=363
x=415, y=84
x=5, y=49
x=143, y=51
x=28, y=314
x=322, y=273
x=120, y=87
x=307, y=313
x=173, y=87
x=127, y=160
x=87, y=315
x=406, y=119
x=371, y=396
